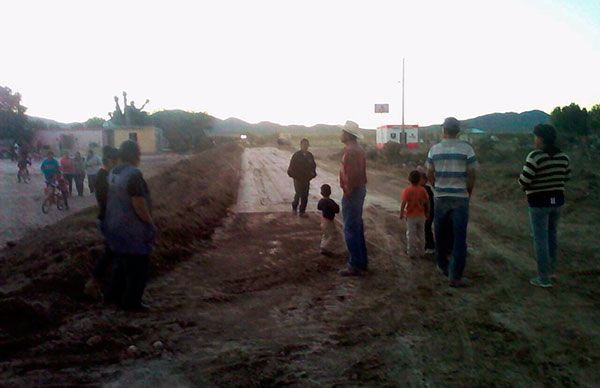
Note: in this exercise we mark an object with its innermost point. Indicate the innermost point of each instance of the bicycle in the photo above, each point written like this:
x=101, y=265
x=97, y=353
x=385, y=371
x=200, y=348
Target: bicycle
x=53, y=197
x=23, y=175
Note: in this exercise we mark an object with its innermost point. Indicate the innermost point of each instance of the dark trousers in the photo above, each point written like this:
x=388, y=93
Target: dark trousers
x=451, y=220
x=79, y=183
x=92, y=183
x=301, y=196
x=69, y=178
x=354, y=233
x=429, y=241
x=130, y=273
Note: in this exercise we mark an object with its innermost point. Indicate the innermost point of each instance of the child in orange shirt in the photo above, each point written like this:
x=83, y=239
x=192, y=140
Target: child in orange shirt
x=415, y=208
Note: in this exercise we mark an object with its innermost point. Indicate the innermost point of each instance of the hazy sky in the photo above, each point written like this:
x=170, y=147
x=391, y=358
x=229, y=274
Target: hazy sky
x=303, y=61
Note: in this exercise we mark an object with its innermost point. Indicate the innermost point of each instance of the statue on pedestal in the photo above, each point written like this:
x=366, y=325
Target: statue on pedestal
x=130, y=115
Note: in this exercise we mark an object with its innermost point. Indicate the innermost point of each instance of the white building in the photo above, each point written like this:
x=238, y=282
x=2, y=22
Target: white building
x=409, y=135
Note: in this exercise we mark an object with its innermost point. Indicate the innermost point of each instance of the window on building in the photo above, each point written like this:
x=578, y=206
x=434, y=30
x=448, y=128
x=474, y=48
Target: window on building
x=133, y=136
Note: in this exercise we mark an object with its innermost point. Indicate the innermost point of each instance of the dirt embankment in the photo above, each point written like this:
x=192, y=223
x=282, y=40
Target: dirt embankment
x=42, y=278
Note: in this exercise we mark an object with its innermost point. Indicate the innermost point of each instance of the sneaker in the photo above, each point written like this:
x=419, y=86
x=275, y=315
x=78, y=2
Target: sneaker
x=538, y=282
x=460, y=283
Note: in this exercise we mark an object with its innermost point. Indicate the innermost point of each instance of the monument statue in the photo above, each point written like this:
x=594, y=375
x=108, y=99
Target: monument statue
x=130, y=115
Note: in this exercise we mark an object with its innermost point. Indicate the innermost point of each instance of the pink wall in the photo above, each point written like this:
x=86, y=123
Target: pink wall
x=83, y=137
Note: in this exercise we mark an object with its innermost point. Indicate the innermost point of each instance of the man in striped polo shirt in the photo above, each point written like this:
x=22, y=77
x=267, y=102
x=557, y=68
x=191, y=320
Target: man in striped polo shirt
x=451, y=166
x=543, y=178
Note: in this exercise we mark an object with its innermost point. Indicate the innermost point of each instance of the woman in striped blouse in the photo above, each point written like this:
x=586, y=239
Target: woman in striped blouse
x=543, y=178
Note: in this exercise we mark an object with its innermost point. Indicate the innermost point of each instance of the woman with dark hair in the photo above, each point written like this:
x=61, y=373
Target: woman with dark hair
x=543, y=179
x=129, y=229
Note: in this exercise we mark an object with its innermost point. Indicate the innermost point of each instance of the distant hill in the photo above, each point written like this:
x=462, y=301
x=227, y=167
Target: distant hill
x=50, y=123
x=236, y=126
x=493, y=123
x=509, y=122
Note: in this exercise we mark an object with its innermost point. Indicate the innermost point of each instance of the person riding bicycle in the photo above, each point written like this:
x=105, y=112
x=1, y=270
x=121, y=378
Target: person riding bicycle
x=50, y=168
x=22, y=165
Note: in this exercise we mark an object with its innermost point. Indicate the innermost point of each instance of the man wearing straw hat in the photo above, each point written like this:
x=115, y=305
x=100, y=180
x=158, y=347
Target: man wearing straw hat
x=353, y=180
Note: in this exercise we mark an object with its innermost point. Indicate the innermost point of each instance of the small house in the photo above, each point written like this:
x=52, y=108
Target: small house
x=149, y=138
x=407, y=135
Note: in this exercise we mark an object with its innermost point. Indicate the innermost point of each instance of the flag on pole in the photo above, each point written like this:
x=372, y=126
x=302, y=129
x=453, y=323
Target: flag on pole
x=382, y=108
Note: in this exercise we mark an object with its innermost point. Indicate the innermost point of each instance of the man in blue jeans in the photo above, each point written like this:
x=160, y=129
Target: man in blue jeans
x=353, y=180
x=451, y=166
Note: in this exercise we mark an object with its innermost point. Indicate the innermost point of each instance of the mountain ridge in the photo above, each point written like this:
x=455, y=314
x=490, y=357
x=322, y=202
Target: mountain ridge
x=507, y=122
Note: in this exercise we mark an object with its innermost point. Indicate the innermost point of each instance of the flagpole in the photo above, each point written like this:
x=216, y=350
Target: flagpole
x=403, y=130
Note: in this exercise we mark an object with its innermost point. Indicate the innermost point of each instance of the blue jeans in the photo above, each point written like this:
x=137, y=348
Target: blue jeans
x=451, y=212
x=544, y=223
x=352, y=209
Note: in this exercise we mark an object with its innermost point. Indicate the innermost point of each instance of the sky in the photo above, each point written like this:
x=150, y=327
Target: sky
x=302, y=62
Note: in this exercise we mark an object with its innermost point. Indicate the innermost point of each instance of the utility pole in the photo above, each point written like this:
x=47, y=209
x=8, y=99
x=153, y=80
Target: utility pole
x=403, y=130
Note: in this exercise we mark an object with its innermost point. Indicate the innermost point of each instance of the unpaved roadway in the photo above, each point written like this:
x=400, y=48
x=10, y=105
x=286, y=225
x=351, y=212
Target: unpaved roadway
x=260, y=306
x=263, y=307
x=266, y=187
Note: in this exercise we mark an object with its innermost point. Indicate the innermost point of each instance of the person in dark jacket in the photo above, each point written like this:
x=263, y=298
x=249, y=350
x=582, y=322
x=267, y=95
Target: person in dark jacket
x=129, y=229
x=302, y=169
x=110, y=158
x=429, y=240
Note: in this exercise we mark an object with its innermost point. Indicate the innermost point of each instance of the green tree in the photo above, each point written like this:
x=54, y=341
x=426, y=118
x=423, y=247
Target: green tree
x=12, y=116
x=183, y=130
x=571, y=121
x=94, y=122
x=594, y=119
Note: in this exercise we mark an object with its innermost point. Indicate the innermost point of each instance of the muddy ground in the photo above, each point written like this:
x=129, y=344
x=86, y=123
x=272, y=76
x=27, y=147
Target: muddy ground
x=259, y=305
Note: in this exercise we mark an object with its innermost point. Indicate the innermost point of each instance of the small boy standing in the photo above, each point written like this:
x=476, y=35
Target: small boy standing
x=415, y=208
x=329, y=209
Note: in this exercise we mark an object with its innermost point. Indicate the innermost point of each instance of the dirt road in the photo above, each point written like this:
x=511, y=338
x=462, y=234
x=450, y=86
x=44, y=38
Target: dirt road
x=260, y=306
x=266, y=187
x=264, y=307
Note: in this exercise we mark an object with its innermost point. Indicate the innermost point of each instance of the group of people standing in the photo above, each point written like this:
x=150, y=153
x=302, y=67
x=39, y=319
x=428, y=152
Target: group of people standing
x=72, y=169
x=353, y=181
x=75, y=169
x=436, y=204
x=125, y=221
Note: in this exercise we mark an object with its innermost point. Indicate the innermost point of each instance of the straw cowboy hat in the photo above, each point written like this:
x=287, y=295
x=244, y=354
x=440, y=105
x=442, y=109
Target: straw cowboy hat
x=352, y=128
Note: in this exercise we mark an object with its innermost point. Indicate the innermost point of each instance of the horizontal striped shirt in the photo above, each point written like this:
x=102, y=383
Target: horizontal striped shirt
x=545, y=173
x=450, y=160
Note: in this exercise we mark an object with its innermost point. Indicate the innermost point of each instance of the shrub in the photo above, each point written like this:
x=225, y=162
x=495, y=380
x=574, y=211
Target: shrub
x=391, y=153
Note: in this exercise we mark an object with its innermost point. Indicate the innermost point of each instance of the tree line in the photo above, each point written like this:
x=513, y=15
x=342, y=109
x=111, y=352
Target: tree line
x=183, y=130
x=572, y=121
